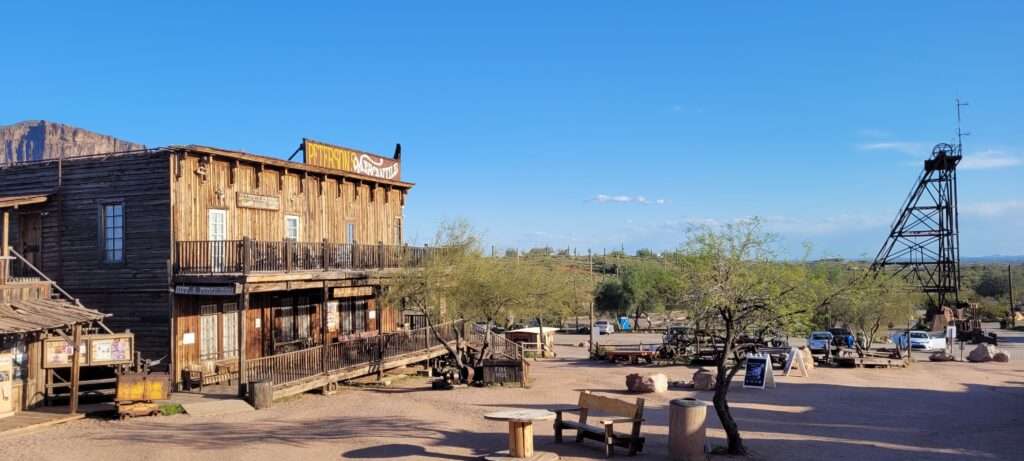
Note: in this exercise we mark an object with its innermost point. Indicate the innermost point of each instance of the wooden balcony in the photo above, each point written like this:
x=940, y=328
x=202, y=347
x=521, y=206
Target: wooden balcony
x=246, y=256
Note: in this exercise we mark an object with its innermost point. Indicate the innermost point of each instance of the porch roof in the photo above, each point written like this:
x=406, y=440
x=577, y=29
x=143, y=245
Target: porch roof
x=14, y=201
x=30, y=315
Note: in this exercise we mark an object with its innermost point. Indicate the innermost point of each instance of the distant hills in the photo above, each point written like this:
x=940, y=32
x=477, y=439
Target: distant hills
x=992, y=259
x=33, y=140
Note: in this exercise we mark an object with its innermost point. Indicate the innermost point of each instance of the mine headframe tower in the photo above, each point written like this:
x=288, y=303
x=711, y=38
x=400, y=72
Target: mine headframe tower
x=924, y=240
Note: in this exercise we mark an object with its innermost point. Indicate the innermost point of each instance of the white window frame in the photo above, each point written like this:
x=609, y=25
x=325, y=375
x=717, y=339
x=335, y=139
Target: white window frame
x=298, y=227
x=208, y=326
x=112, y=232
x=229, y=331
x=350, y=232
x=218, y=251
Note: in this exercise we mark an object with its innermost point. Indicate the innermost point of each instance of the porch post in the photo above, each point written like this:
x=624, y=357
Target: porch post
x=76, y=360
x=243, y=307
x=323, y=329
x=5, y=251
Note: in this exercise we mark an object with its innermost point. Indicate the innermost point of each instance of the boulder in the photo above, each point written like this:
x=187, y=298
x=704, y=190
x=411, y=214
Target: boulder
x=703, y=380
x=983, y=353
x=1001, y=357
x=941, y=357
x=645, y=384
x=680, y=384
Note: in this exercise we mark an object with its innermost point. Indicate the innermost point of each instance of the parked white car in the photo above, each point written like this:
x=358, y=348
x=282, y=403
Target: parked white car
x=604, y=327
x=921, y=340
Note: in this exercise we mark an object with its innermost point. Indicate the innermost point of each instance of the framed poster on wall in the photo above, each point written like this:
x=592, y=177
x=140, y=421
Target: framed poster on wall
x=110, y=350
x=57, y=352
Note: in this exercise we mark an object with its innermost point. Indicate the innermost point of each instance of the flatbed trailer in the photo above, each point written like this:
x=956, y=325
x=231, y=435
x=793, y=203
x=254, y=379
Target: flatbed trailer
x=633, y=353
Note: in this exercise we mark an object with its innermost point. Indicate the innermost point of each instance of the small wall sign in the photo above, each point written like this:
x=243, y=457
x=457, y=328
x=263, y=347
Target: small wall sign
x=259, y=202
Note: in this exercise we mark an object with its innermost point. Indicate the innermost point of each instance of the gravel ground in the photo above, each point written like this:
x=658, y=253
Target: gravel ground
x=931, y=411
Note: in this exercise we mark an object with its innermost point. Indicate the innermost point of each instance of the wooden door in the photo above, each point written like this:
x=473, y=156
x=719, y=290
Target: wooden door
x=218, y=230
x=30, y=238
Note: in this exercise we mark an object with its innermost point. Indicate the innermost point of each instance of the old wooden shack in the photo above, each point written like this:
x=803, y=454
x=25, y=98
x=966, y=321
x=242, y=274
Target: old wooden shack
x=213, y=256
x=39, y=323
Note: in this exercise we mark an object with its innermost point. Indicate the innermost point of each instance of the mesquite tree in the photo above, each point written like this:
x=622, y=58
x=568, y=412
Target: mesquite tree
x=732, y=280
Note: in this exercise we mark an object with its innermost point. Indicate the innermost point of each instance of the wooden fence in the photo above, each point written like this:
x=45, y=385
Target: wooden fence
x=246, y=255
x=289, y=367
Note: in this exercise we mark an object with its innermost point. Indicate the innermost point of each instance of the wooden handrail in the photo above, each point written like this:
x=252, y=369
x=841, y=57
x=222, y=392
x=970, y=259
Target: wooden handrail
x=248, y=256
x=44, y=277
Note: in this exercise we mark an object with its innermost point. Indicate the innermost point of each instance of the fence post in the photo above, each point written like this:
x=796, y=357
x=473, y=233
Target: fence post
x=323, y=254
x=246, y=255
x=380, y=255
x=288, y=253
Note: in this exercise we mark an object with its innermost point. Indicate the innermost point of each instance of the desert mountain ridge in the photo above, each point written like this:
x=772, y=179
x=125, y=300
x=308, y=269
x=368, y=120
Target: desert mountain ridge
x=33, y=140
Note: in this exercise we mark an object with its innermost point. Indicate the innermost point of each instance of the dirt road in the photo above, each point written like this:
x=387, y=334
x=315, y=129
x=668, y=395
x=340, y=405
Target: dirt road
x=932, y=411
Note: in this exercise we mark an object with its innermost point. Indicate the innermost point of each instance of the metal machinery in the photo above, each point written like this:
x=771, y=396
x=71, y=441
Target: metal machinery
x=924, y=241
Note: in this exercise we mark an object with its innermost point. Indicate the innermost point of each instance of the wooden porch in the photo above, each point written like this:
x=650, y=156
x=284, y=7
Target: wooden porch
x=315, y=367
x=247, y=256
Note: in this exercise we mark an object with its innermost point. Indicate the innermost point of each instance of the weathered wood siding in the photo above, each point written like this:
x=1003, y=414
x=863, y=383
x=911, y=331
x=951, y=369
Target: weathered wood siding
x=324, y=209
x=135, y=292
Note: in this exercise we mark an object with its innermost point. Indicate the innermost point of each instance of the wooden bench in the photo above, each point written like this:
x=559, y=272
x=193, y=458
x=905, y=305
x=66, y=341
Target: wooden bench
x=611, y=411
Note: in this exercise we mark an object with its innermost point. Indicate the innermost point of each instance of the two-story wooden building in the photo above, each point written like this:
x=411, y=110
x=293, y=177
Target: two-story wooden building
x=210, y=254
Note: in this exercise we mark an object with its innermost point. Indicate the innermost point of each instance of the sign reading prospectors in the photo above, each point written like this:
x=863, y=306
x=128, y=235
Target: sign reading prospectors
x=345, y=159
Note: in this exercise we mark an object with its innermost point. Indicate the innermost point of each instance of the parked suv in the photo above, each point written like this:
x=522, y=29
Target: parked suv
x=604, y=327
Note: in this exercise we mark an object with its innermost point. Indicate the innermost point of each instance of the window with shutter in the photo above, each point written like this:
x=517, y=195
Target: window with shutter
x=208, y=332
x=229, y=322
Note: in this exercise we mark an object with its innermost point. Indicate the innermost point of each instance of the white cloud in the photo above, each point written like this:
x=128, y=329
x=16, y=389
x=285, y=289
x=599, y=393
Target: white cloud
x=638, y=199
x=905, y=147
x=990, y=159
x=992, y=209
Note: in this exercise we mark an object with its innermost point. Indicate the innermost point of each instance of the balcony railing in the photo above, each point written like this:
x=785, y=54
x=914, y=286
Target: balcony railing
x=249, y=256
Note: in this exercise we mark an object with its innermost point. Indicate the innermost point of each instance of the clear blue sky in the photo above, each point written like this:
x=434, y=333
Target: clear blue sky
x=543, y=123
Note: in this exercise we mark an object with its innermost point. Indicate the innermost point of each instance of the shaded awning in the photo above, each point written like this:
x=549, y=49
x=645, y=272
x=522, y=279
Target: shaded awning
x=14, y=201
x=29, y=315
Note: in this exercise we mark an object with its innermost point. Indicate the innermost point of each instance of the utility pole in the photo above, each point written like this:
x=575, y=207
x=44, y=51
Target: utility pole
x=1009, y=277
x=590, y=256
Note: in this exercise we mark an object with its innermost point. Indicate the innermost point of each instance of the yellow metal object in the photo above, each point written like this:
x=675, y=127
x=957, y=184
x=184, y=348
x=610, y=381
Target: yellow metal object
x=140, y=387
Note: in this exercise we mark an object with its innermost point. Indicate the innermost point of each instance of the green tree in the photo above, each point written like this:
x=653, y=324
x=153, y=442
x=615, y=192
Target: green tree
x=731, y=279
x=872, y=304
x=649, y=286
x=611, y=297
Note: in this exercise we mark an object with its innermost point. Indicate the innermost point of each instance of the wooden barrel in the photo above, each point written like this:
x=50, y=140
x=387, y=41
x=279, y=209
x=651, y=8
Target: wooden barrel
x=261, y=394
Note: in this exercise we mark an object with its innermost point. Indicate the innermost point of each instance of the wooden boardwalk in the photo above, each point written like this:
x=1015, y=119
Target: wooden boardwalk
x=24, y=421
x=319, y=367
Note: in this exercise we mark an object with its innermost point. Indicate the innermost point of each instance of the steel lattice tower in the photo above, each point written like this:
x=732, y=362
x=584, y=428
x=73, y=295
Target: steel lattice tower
x=924, y=240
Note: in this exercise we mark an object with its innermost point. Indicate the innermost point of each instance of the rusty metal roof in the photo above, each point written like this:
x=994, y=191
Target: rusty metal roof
x=18, y=200
x=29, y=315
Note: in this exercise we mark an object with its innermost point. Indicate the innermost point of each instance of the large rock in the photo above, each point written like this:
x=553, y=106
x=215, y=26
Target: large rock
x=983, y=353
x=703, y=380
x=1001, y=357
x=644, y=384
x=41, y=140
x=941, y=357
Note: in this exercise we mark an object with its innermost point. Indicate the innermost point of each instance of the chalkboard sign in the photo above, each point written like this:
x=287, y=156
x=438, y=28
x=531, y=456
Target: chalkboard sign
x=758, y=372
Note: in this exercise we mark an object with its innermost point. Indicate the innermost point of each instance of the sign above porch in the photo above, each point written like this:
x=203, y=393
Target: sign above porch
x=351, y=160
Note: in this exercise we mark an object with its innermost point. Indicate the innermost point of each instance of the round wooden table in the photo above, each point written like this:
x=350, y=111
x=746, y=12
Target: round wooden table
x=520, y=433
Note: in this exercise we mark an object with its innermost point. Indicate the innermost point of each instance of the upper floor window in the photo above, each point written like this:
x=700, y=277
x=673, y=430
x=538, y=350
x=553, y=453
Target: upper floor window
x=112, y=223
x=292, y=227
x=350, y=233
